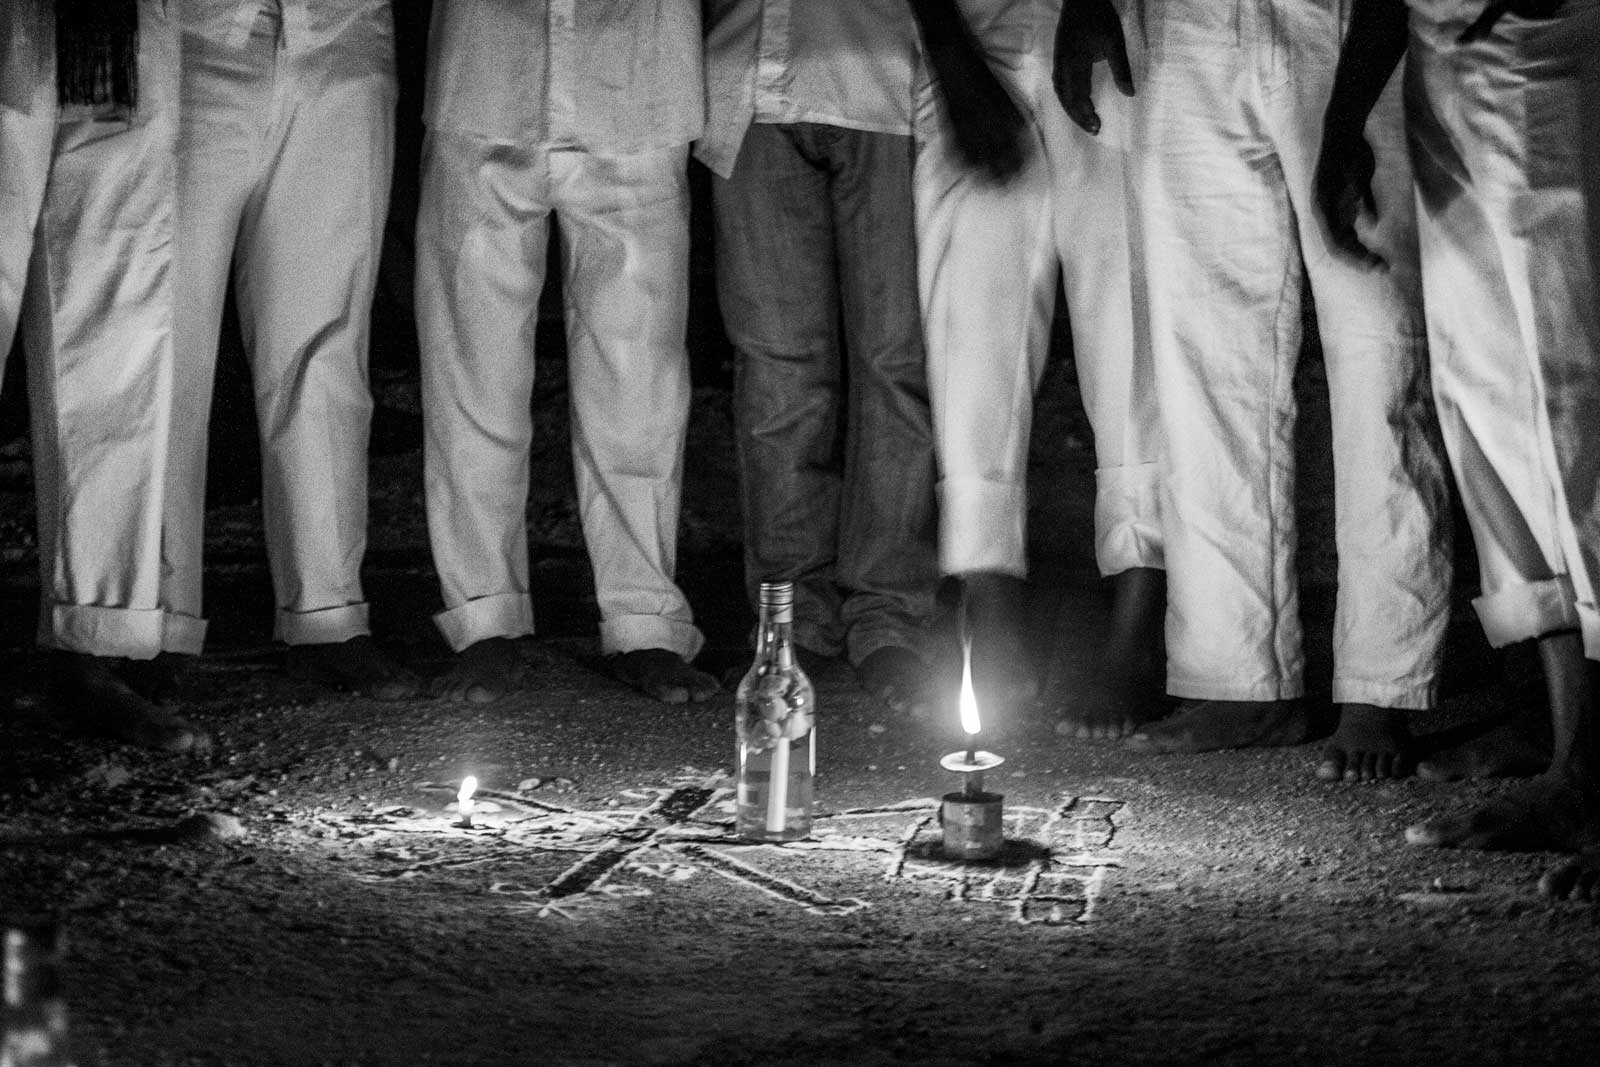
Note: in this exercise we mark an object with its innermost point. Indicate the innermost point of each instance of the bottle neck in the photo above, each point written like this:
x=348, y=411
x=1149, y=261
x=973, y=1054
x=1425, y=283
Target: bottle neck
x=775, y=636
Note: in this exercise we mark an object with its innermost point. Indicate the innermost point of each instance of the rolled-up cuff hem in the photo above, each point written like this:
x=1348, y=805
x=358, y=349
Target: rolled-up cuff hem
x=983, y=526
x=501, y=615
x=97, y=631
x=1127, y=519
x=632, y=633
x=1419, y=697
x=328, y=626
x=183, y=634
x=1532, y=609
x=1187, y=689
x=861, y=644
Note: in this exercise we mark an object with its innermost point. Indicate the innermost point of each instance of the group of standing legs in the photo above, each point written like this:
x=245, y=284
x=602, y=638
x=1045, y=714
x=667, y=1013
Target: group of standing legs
x=1466, y=191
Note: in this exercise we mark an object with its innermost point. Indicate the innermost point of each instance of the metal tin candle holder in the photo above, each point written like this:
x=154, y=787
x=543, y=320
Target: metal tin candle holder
x=973, y=820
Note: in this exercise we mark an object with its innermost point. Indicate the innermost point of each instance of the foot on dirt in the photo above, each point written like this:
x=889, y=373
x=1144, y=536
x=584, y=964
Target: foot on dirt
x=1115, y=708
x=1128, y=693
x=87, y=691
x=663, y=675
x=1211, y=725
x=1574, y=879
x=481, y=673
x=1371, y=744
x=899, y=680
x=355, y=666
x=1509, y=749
x=158, y=680
x=1552, y=813
x=1003, y=671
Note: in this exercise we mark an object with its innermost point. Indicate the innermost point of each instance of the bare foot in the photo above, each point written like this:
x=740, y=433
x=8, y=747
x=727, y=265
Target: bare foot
x=1370, y=744
x=481, y=673
x=87, y=691
x=356, y=666
x=899, y=680
x=1552, y=813
x=1003, y=672
x=1210, y=725
x=1575, y=879
x=1115, y=707
x=158, y=680
x=664, y=675
x=1510, y=749
x=1129, y=692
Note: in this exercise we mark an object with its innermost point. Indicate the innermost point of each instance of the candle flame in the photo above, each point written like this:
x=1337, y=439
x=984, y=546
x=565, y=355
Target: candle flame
x=969, y=699
x=469, y=786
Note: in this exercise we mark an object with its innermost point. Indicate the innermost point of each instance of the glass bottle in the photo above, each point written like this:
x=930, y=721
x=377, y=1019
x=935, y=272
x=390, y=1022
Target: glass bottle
x=33, y=1020
x=775, y=717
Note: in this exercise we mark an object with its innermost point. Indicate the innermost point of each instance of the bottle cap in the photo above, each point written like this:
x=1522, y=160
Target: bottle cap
x=777, y=594
x=777, y=601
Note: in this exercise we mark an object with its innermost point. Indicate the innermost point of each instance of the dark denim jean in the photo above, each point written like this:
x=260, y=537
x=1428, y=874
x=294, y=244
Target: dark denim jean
x=816, y=274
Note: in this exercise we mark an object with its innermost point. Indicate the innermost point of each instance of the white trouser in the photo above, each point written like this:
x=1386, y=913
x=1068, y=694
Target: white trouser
x=988, y=258
x=481, y=242
x=1230, y=124
x=97, y=323
x=284, y=172
x=27, y=132
x=1505, y=138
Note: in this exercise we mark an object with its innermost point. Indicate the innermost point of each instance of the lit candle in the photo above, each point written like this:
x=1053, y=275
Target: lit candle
x=469, y=786
x=968, y=701
x=973, y=820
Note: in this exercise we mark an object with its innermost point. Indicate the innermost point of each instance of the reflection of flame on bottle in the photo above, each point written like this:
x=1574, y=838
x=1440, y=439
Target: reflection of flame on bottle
x=469, y=786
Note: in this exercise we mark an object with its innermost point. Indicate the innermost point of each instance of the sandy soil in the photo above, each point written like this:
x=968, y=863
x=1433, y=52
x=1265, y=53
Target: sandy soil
x=1222, y=908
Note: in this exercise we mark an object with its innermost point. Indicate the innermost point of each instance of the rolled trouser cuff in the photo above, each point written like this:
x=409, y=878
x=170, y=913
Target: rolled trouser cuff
x=1417, y=696
x=983, y=526
x=864, y=641
x=634, y=633
x=1127, y=519
x=325, y=626
x=1529, y=610
x=500, y=615
x=183, y=634
x=1210, y=689
x=97, y=631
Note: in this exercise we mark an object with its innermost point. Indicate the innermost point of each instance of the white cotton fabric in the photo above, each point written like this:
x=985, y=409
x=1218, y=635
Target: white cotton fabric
x=1505, y=138
x=1230, y=122
x=284, y=162
x=988, y=258
x=845, y=63
x=491, y=183
x=97, y=324
x=606, y=77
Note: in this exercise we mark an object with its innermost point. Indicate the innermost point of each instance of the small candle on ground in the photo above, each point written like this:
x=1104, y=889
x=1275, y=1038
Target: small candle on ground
x=972, y=819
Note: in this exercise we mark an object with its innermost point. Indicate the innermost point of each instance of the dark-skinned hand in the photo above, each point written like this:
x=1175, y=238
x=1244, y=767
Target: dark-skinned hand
x=1495, y=10
x=1088, y=32
x=986, y=124
x=1343, y=188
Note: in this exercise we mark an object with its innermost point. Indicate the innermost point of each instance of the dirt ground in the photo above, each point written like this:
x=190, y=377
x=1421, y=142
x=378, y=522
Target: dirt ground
x=1221, y=908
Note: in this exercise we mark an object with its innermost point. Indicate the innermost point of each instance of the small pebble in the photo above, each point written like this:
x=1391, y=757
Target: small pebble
x=877, y=728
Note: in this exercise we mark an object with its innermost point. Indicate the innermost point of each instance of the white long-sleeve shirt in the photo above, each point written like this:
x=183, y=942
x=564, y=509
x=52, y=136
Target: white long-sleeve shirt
x=307, y=24
x=618, y=76
x=848, y=63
